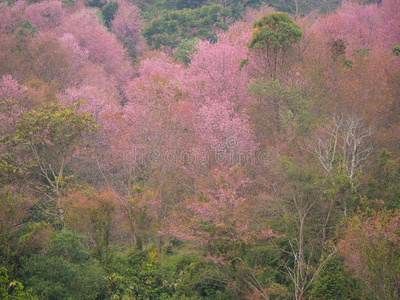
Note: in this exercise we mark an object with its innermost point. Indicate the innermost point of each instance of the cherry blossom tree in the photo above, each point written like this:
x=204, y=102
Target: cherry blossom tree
x=101, y=46
x=11, y=104
x=217, y=89
x=214, y=74
x=252, y=14
x=217, y=213
x=336, y=74
x=353, y=24
x=227, y=136
x=390, y=29
x=127, y=24
x=45, y=15
x=10, y=16
x=77, y=56
x=147, y=139
x=370, y=247
x=217, y=221
x=98, y=101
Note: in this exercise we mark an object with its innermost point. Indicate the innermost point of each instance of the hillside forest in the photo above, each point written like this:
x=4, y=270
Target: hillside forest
x=199, y=149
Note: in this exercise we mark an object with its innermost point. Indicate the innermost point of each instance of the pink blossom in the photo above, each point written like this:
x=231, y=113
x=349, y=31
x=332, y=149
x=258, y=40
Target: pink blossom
x=102, y=46
x=11, y=94
x=127, y=23
x=45, y=15
x=77, y=55
x=10, y=17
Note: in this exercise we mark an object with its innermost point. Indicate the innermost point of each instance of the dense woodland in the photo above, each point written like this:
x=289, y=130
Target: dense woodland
x=199, y=149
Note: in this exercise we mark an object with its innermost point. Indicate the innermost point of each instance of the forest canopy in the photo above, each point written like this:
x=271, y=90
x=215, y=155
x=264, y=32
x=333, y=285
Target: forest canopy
x=191, y=149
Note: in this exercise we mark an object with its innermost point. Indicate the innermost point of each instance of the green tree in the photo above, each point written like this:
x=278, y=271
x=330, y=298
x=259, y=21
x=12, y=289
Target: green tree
x=335, y=283
x=139, y=275
x=182, y=4
x=13, y=290
x=396, y=49
x=185, y=49
x=272, y=44
x=278, y=107
x=13, y=210
x=301, y=7
x=63, y=270
x=92, y=214
x=47, y=141
x=382, y=183
x=95, y=3
x=172, y=27
x=304, y=205
x=108, y=12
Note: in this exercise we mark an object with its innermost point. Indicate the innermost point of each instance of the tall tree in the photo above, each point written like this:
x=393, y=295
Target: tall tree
x=47, y=140
x=272, y=45
x=302, y=200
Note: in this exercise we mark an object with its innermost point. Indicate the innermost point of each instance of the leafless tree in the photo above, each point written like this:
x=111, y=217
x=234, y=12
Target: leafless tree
x=343, y=141
x=299, y=202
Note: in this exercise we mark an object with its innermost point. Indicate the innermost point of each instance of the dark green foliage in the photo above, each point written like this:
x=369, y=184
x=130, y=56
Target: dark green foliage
x=68, y=3
x=13, y=290
x=303, y=6
x=108, y=12
x=268, y=262
x=201, y=280
x=274, y=31
x=95, y=3
x=269, y=258
x=396, y=49
x=63, y=270
x=337, y=48
x=144, y=274
x=185, y=49
x=182, y=4
x=130, y=49
x=212, y=286
x=335, y=283
x=272, y=45
x=243, y=62
x=383, y=183
x=235, y=8
x=18, y=236
x=139, y=275
x=68, y=246
x=26, y=29
x=174, y=26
